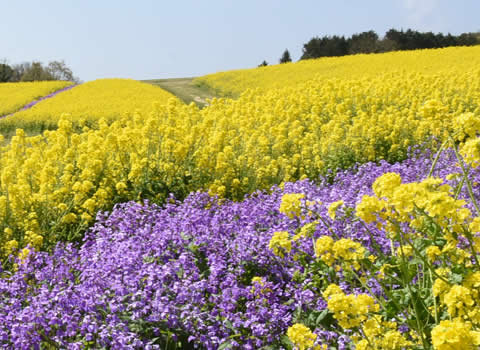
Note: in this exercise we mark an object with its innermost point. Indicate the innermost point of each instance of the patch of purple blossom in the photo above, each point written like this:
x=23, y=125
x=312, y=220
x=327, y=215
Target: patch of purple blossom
x=184, y=271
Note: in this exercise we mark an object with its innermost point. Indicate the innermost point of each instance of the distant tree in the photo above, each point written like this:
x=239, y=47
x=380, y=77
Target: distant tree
x=59, y=71
x=285, y=57
x=397, y=37
x=365, y=42
x=386, y=45
x=19, y=69
x=325, y=47
x=263, y=64
x=411, y=39
x=6, y=72
x=37, y=72
x=477, y=36
x=468, y=39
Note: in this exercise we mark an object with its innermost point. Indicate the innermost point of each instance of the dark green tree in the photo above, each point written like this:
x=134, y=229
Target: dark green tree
x=366, y=42
x=6, y=72
x=325, y=47
x=263, y=64
x=285, y=57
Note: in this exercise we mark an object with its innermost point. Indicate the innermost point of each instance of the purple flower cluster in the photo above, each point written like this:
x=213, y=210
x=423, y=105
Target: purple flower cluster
x=145, y=274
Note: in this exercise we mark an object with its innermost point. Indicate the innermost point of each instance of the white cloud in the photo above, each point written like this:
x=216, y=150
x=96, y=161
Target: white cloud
x=420, y=13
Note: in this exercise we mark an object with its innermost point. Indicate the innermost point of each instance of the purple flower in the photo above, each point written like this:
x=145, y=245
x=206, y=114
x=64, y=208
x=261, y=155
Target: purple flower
x=183, y=272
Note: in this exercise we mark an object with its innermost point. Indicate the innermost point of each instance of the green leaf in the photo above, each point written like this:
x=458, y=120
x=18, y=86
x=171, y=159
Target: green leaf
x=321, y=316
x=226, y=345
x=285, y=340
x=456, y=278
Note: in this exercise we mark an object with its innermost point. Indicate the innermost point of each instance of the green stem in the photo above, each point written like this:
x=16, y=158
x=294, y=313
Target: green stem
x=459, y=188
x=437, y=156
x=467, y=180
x=374, y=243
x=406, y=281
x=434, y=299
x=327, y=225
x=419, y=253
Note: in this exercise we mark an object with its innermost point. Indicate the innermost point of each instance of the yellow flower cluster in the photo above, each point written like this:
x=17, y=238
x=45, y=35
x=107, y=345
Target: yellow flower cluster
x=359, y=314
x=280, y=243
x=459, y=300
x=470, y=151
x=344, y=252
x=303, y=338
x=398, y=201
x=291, y=204
x=349, y=310
x=381, y=335
x=456, y=284
x=306, y=231
x=105, y=98
x=14, y=96
x=455, y=335
x=52, y=185
x=356, y=66
x=299, y=131
x=332, y=209
x=466, y=131
x=467, y=125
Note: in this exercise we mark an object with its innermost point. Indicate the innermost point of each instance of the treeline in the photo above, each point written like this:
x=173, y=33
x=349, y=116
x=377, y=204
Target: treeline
x=36, y=71
x=394, y=40
x=370, y=42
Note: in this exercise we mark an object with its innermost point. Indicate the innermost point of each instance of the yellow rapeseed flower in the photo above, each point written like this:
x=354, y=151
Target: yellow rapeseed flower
x=280, y=243
x=301, y=336
x=291, y=204
x=454, y=335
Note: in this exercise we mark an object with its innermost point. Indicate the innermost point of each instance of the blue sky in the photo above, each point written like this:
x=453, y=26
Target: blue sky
x=148, y=39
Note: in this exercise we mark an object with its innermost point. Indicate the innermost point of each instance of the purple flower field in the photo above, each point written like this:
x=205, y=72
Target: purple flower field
x=148, y=276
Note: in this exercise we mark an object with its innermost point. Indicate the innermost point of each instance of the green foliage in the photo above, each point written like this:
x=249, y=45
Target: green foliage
x=59, y=71
x=327, y=46
x=37, y=72
x=6, y=72
x=366, y=42
x=369, y=42
x=285, y=57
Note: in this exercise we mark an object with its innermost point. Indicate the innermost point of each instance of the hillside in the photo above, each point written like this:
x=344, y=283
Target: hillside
x=185, y=89
x=362, y=66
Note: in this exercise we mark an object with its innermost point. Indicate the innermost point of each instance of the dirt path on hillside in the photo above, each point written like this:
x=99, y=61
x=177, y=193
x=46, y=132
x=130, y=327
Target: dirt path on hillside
x=184, y=89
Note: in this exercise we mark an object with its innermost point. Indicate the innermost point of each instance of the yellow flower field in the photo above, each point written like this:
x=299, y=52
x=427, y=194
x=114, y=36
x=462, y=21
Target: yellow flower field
x=14, y=96
x=53, y=185
x=432, y=61
x=91, y=101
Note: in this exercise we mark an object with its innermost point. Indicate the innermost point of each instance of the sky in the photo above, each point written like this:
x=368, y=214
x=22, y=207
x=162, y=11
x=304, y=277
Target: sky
x=147, y=39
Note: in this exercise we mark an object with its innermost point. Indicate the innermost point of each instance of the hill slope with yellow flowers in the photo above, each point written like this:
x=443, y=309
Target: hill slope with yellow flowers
x=120, y=139
x=107, y=99
x=431, y=61
x=14, y=96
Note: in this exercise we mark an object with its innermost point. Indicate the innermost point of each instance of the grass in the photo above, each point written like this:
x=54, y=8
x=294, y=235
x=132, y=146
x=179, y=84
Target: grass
x=185, y=89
